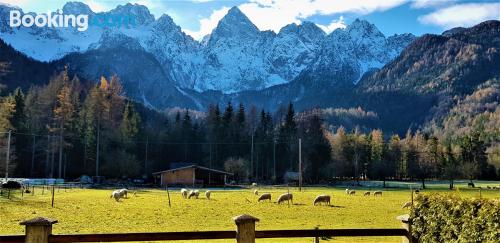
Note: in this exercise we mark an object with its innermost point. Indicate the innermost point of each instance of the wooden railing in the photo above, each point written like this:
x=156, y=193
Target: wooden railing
x=39, y=230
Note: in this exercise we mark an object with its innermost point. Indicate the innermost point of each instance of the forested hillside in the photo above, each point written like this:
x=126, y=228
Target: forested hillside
x=66, y=129
x=431, y=113
x=18, y=70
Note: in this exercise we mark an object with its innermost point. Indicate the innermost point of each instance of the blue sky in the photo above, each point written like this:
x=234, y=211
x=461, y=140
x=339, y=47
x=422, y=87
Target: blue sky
x=199, y=17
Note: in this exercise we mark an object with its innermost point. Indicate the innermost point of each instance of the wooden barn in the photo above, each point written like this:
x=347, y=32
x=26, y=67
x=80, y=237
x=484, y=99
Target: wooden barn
x=192, y=175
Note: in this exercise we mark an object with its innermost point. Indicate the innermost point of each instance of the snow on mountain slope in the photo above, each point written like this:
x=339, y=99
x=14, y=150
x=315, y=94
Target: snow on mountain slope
x=346, y=54
x=235, y=57
x=294, y=48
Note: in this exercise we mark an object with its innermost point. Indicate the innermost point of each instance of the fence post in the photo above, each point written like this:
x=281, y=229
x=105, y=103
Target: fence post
x=406, y=224
x=316, y=239
x=38, y=229
x=245, y=228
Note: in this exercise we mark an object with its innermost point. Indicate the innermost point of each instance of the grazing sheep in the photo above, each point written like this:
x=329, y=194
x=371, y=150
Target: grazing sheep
x=488, y=187
x=285, y=197
x=191, y=194
x=407, y=205
x=184, y=192
x=322, y=199
x=207, y=194
x=377, y=193
x=265, y=196
x=347, y=191
x=366, y=194
x=352, y=192
x=123, y=192
x=116, y=195
x=256, y=192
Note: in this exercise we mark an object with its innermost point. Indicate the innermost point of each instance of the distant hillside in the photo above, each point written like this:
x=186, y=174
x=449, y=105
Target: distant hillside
x=420, y=84
x=18, y=70
x=455, y=62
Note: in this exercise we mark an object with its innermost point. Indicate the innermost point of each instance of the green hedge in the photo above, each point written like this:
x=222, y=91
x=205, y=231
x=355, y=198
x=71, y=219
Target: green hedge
x=446, y=218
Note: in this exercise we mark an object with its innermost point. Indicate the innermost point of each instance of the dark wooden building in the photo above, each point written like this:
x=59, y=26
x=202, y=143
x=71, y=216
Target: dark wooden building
x=192, y=175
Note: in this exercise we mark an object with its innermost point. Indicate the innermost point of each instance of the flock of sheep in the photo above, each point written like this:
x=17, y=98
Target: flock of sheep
x=353, y=192
x=286, y=197
x=194, y=193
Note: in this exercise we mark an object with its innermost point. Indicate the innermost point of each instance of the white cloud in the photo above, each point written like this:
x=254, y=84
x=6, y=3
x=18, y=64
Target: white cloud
x=208, y=24
x=274, y=14
x=462, y=15
x=335, y=24
x=430, y=3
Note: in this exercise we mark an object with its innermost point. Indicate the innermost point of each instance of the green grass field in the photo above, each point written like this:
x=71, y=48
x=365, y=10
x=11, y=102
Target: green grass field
x=92, y=211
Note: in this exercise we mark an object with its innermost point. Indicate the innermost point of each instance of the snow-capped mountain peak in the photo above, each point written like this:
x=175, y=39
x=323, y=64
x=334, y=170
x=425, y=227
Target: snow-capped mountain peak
x=76, y=8
x=234, y=24
x=235, y=57
x=140, y=13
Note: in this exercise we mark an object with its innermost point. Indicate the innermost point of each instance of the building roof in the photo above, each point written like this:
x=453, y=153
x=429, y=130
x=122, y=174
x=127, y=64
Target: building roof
x=196, y=167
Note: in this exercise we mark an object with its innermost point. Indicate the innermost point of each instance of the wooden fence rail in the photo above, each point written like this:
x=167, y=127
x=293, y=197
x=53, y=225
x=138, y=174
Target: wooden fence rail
x=39, y=230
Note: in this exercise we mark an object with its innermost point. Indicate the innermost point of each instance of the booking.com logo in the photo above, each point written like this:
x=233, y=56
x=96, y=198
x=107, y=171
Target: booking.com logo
x=59, y=20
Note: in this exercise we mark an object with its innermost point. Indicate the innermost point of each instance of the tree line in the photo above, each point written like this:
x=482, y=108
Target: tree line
x=69, y=128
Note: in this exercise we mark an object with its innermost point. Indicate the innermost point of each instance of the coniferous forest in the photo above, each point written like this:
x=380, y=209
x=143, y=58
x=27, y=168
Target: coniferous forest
x=68, y=128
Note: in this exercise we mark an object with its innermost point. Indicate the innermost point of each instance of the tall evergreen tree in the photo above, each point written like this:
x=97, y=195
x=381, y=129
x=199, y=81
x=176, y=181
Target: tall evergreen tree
x=130, y=125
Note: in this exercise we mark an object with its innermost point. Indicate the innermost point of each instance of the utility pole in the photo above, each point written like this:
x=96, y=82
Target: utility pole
x=33, y=156
x=65, y=165
x=210, y=155
x=274, y=159
x=146, y=158
x=7, y=157
x=251, y=157
x=97, y=147
x=60, y=154
x=52, y=155
x=300, y=164
x=47, y=159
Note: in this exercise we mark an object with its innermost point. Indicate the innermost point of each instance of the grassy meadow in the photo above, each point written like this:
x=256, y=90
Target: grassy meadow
x=92, y=211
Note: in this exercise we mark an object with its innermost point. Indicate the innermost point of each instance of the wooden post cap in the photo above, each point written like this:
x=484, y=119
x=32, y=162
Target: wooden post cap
x=39, y=221
x=405, y=218
x=245, y=218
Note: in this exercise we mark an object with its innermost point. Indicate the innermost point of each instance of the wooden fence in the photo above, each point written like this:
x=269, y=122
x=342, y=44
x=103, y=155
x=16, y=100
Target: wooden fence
x=39, y=230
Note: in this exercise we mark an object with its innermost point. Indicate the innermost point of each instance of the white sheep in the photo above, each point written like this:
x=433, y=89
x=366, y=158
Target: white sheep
x=116, y=195
x=123, y=192
x=377, y=193
x=207, y=194
x=254, y=184
x=256, y=192
x=366, y=194
x=264, y=196
x=322, y=199
x=184, y=192
x=285, y=197
x=194, y=193
x=347, y=191
x=352, y=192
x=407, y=205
